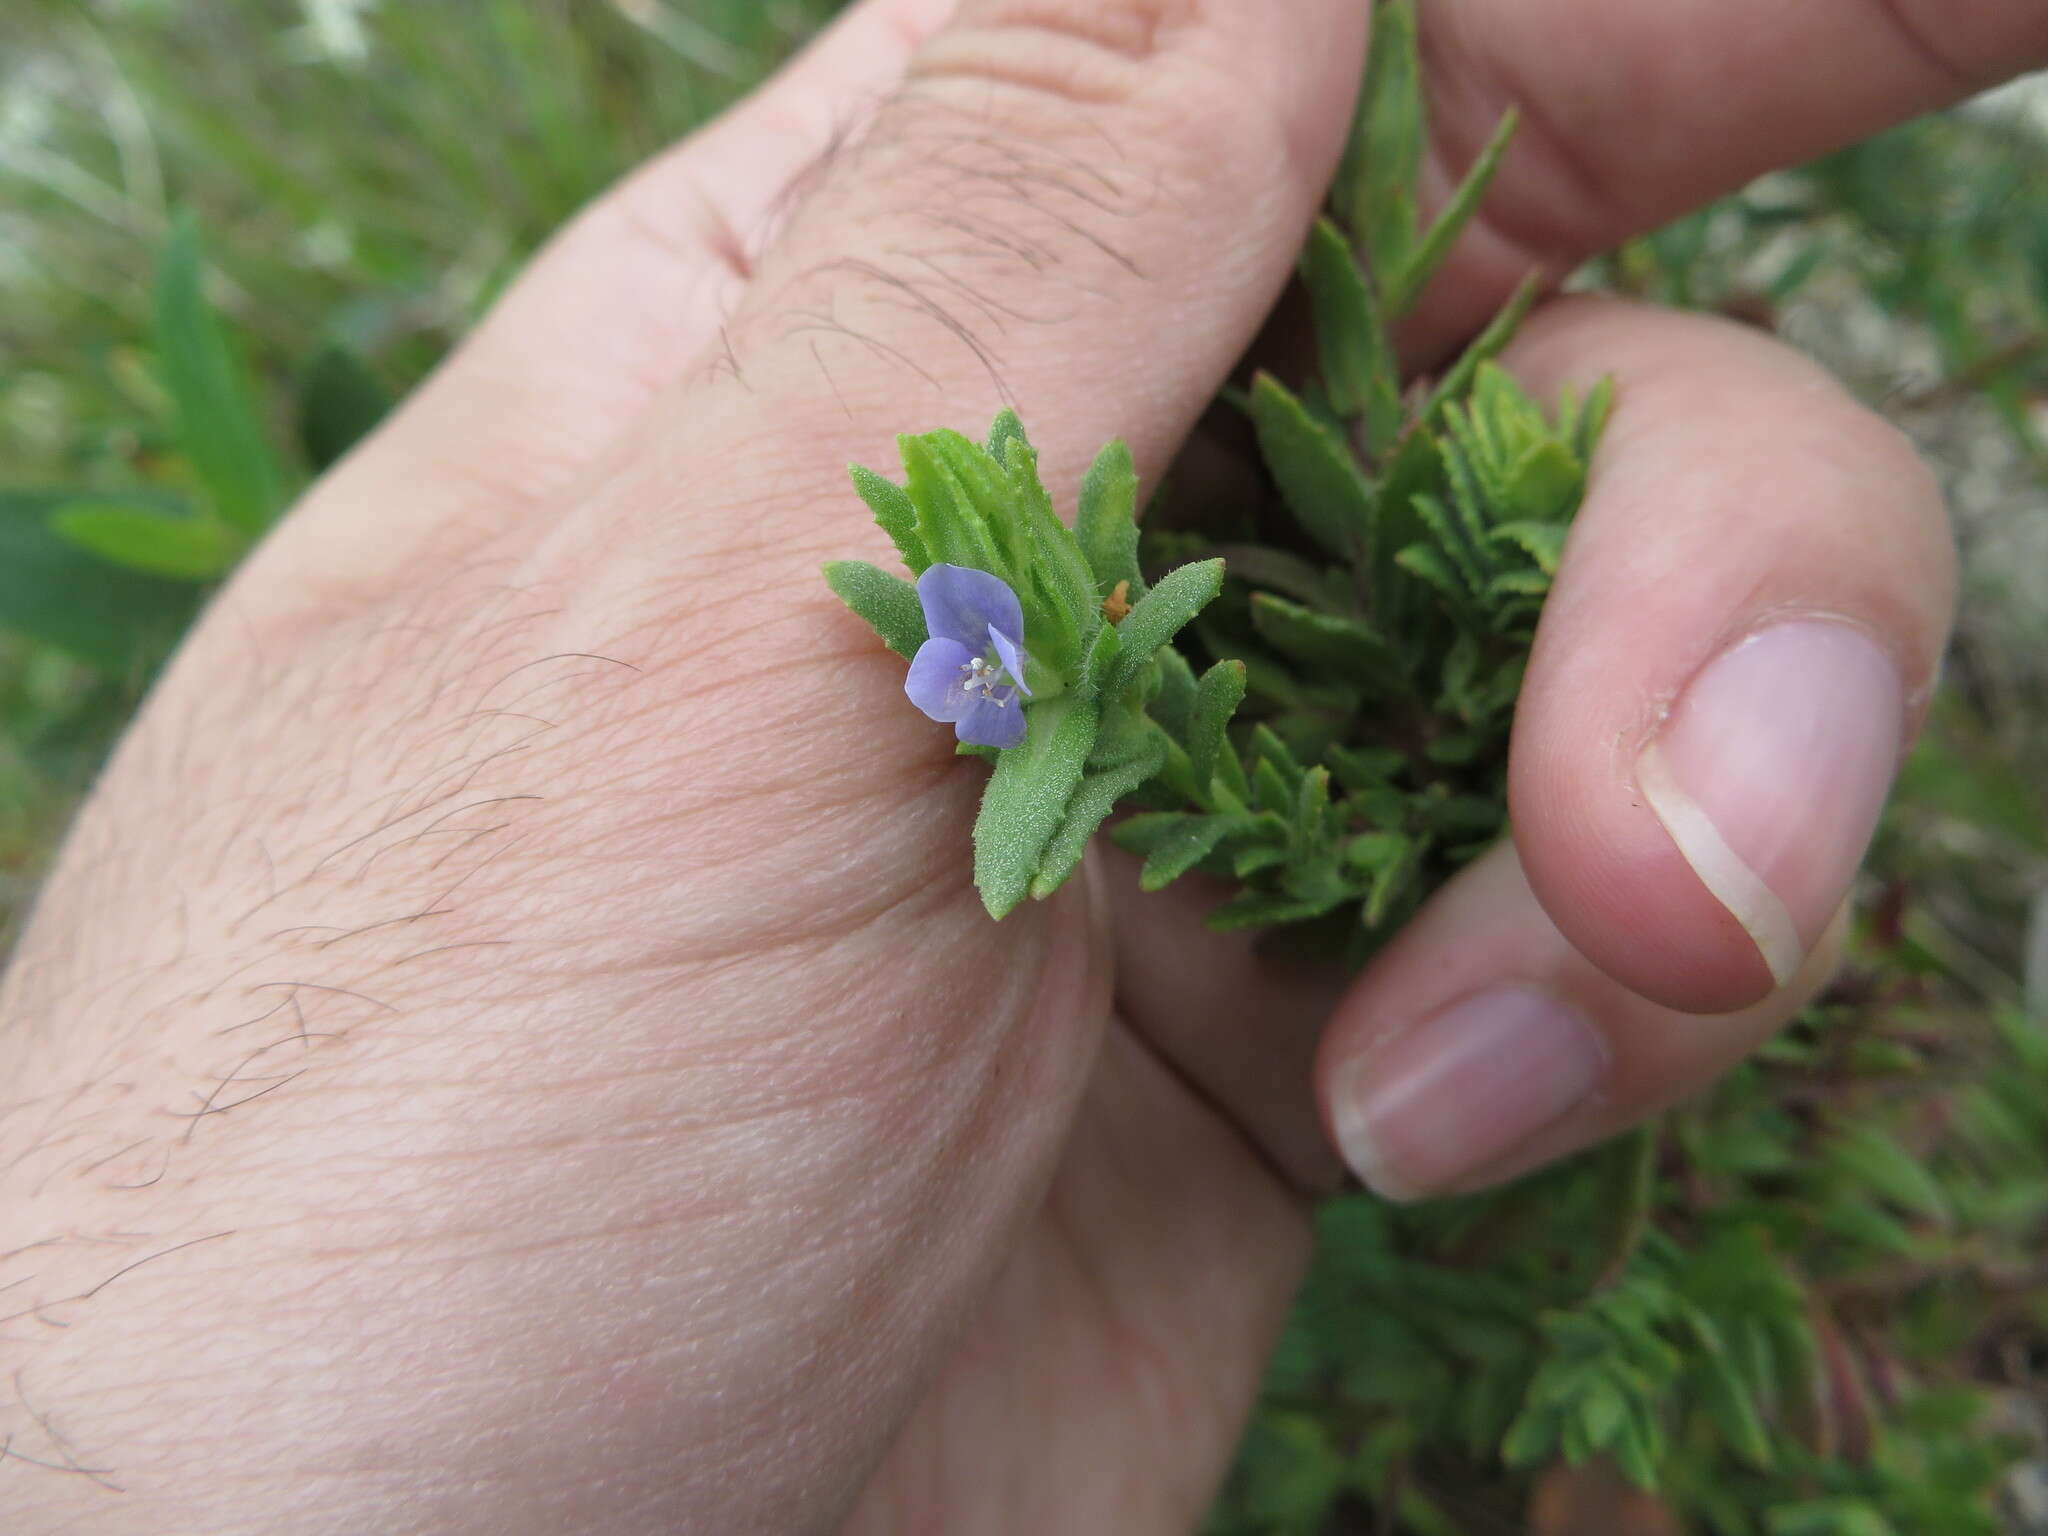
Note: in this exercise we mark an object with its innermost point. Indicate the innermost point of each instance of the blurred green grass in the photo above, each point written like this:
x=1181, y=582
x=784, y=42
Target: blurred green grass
x=370, y=174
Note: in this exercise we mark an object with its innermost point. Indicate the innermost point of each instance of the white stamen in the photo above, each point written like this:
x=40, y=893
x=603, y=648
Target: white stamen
x=982, y=679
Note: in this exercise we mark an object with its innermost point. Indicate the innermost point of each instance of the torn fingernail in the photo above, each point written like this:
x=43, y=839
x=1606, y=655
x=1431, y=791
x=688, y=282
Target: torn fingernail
x=1769, y=774
x=1448, y=1098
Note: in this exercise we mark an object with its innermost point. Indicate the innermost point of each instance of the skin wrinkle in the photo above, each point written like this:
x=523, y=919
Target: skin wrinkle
x=1026, y=188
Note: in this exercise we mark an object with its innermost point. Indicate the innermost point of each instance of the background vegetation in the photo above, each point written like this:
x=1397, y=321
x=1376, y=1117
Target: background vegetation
x=1815, y=1302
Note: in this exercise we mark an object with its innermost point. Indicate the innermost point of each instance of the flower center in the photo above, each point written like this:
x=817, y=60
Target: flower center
x=980, y=678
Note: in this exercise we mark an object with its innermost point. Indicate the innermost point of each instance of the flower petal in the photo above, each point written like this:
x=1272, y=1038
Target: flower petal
x=962, y=604
x=1014, y=659
x=936, y=673
x=997, y=721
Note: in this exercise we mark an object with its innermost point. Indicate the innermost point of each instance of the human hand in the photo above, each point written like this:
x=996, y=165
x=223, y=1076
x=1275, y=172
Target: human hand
x=512, y=1045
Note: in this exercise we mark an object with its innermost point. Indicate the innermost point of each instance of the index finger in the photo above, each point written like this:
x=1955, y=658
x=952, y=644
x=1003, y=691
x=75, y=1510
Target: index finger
x=1632, y=114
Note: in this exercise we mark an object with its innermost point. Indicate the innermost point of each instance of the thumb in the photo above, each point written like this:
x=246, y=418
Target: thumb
x=1083, y=211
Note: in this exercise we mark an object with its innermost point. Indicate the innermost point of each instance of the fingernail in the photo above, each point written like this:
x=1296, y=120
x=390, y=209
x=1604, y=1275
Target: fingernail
x=1457, y=1093
x=1769, y=774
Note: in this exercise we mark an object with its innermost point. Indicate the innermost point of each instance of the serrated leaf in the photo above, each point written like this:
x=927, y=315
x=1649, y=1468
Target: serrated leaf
x=1456, y=383
x=53, y=591
x=1191, y=842
x=1592, y=419
x=1541, y=542
x=950, y=525
x=1174, y=705
x=1358, y=768
x=1544, y=483
x=1340, y=647
x=1390, y=882
x=1358, y=365
x=1872, y=1158
x=1107, y=524
x=1531, y=1438
x=1318, y=478
x=1266, y=746
x=1374, y=190
x=1218, y=692
x=1272, y=790
x=1402, y=281
x=340, y=404
x=1513, y=584
x=1448, y=542
x=1256, y=909
x=1372, y=851
x=1059, y=572
x=1728, y=1403
x=888, y=603
x=1261, y=856
x=1160, y=615
x=182, y=548
x=1151, y=830
x=1311, y=831
x=1026, y=800
x=1101, y=660
x=1090, y=807
x=1636, y=1452
x=896, y=514
x=1003, y=431
x=1828, y=1517
x=212, y=401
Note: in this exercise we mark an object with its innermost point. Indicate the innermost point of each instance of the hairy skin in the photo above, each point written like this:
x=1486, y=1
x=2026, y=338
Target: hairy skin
x=510, y=1045
x=569, y=1049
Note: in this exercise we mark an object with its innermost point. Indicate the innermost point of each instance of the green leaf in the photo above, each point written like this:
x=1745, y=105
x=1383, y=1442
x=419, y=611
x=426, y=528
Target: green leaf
x=1372, y=851
x=950, y=505
x=1258, y=909
x=1107, y=525
x=1541, y=542
x=1828, y=1517
x=1456, y=383
x=1358, y=365
x=1428, y=562
x=1059, y=572
x=1728, y=1403
x=1317, y=476
x=1531, y=1437
x=1090, y=807
x=1174, y=705
x=896, y=514
x=182, y=547
x=340, y=403
x=1218, y=692
x=1403, y=280
x=888, y=603
x=1336, y=647
x=211, y=399
x=1151, y=830
x=1637, y=1453
x=1187, y=845
x=1311, y=829
x=1003, y=431
x=1161, y=614
x=1870, y=1157
x=1027, y=796
x=53, y=591
x=1390, y=883
x=1374, y=193
x=1544, y=483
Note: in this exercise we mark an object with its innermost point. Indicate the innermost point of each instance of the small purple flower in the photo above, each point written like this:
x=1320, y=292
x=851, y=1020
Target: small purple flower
x=971, y=670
